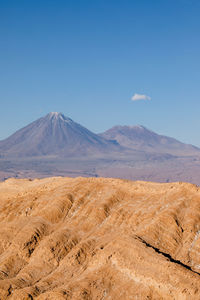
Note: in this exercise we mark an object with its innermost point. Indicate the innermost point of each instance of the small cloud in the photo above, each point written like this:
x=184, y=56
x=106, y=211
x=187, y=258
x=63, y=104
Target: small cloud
x=138, y=97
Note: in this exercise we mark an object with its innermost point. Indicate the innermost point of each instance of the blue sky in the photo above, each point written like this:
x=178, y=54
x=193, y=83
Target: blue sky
x=88, y=58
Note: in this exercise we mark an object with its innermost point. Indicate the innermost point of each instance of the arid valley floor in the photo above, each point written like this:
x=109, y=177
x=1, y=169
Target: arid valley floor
x=96, y=238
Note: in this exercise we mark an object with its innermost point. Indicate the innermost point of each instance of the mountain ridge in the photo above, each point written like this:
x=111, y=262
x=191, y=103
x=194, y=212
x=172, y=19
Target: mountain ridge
x=141, y=138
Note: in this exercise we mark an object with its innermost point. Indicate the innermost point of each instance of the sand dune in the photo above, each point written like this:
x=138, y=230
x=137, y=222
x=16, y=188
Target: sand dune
x=96, y=238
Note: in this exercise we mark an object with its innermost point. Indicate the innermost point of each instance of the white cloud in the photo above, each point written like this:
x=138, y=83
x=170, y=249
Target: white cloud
x=138, y=97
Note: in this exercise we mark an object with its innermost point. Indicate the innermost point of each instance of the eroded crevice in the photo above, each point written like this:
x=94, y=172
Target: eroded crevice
x=179, y=225
x=171, y=259
x=9, y=291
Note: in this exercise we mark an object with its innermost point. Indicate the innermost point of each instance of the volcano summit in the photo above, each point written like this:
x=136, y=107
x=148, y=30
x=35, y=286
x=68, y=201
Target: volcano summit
x=55, y=134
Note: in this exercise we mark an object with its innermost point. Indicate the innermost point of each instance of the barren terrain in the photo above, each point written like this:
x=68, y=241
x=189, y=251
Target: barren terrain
x=97, y=238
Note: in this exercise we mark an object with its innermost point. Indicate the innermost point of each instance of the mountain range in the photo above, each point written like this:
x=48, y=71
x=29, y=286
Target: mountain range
x=55, y=134
x=56, y=145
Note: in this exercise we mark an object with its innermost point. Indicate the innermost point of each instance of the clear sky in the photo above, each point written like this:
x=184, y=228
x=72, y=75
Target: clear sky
x=88, y=58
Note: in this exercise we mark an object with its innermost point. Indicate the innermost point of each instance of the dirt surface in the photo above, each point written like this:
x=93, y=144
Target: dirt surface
x=97, y=238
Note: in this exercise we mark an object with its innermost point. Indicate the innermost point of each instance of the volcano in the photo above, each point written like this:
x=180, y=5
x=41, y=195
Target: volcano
x=55, y=134
x=142, y=139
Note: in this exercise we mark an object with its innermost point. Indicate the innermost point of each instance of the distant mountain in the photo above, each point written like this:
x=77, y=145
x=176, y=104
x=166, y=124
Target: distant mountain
x=55, y=134
x=55, y=145
x=143, y=139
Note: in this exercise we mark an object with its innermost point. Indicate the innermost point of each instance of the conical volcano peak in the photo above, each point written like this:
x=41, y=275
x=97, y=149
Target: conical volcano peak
x=55, y=134
x=55, y=115
x=58, y=116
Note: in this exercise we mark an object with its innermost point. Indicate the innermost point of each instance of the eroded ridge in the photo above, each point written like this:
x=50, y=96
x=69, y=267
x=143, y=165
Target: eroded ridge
x=97, y=238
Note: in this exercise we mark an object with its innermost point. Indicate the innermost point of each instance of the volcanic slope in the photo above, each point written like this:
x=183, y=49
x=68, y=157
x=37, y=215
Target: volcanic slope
x=140, y=138
x=55, y=134
x=96, y=238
